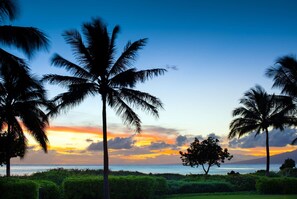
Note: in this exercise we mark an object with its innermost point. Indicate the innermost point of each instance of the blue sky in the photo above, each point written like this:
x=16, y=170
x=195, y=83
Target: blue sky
x=221, y=49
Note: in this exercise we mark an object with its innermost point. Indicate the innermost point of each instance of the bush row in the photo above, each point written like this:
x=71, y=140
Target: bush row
x=180, y=187
x=277, y=185
x=132, y=187
x=12, y=188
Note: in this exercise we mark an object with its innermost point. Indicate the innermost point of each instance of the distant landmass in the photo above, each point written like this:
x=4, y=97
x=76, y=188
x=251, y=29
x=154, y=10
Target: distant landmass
x=275, y=159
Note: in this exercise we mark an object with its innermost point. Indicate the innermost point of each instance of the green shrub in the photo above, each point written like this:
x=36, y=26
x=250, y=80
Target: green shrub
x=277, y=185
x=161, y=186
x=18, y=188
x=198, y=187
x=55, y=175
x=48, y=189
x=121, y=187
x=288, y=172
x=242, y=182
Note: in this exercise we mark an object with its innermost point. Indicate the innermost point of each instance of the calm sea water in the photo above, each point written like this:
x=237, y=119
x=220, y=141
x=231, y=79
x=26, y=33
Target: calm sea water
x=174, y=168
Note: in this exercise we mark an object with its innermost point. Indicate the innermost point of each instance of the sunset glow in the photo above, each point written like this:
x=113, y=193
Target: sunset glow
x=213, y=51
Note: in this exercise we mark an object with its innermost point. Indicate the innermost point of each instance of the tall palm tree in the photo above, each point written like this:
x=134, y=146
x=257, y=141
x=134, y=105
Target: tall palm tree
x=27, y=39
x=98, y=72
x=261, y=111
x=284, y=75
x=22, y=103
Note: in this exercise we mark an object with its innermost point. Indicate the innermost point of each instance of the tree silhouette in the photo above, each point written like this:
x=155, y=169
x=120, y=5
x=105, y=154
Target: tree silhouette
x=260, y=111
x=288, y=164
x=27, y=39
x=284, y=75
x=100, y=73
x=22, y=103
x=206, y=153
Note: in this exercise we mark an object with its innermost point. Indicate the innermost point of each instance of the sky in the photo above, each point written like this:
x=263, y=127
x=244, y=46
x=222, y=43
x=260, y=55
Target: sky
x=214, y=51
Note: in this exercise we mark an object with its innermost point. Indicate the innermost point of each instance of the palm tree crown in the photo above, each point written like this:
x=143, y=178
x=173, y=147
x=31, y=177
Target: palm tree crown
x=22, y=101
x=98, y=72
x=259, y=112
x=27, y=39
x=284, y=74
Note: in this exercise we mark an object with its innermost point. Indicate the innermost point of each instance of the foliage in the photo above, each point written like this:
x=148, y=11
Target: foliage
x=99, y=72
x=132, y=187
x=181, y=186
x=207, y=152
x=263, y=173
x=277, y=185
x=260, y=111
x=230, y=196
x=284, y=76
x=288, y=172
x=288, y=164
x=242, y=182
x=18, y=188
x=17, y=147
x=48, y=189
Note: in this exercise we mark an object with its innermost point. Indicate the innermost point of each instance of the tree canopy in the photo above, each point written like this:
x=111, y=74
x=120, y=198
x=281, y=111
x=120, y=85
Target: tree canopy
x=206, y=153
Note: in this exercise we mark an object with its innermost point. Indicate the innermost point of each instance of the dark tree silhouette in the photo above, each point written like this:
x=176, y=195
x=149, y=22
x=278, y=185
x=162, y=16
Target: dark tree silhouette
x=100, y=73
x=288, y=164
x=207, y=152
x=260, y=111
x=284, y=74
x=27, y=39
x=22, y=101
x=17, y=145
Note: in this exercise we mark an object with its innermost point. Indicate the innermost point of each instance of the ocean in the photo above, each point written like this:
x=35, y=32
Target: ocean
x=171, y=168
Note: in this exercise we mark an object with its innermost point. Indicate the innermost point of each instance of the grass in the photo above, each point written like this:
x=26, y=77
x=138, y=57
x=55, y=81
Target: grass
x=230, y=196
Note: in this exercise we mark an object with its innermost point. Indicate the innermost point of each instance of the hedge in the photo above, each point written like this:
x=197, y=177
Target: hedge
x=181, y=187
x=18, y=188
x=277, y=185
x=48, y=189
x=132, y=187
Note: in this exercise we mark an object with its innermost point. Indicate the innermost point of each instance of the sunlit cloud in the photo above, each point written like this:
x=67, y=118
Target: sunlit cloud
x=154, y=145
x=115, y=143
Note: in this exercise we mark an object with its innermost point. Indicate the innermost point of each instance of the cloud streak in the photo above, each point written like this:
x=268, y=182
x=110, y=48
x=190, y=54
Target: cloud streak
x=115, y=143
x=277, y=138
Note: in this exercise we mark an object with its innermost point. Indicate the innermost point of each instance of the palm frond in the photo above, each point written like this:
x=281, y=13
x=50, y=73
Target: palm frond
x=284, y=74
x=8, y=9
x=28, y=39
x=127, y=57
x=128, y=116
x=74, y=69
x=144, y=75
x=62, y=80
x=98, y=44
x=74, y=96
x=142, y=100
x=112, y=48
x=79, y=50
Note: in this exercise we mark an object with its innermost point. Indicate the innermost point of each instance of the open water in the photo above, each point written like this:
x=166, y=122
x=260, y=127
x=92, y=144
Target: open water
x=172, y=168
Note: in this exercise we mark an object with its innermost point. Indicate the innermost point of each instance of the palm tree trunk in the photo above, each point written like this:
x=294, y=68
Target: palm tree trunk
x=105, y=151
x=8, y=151
x=7, y=166
x=267, y=153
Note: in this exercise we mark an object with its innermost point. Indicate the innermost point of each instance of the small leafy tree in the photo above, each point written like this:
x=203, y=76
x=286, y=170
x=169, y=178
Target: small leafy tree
x=289, y=163
x=17, y=144
x=206, y=153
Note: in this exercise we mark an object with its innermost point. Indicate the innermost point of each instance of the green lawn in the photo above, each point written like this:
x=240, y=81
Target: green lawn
x=245, y=196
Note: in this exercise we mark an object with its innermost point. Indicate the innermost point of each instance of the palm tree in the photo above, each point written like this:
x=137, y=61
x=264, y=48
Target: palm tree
x=100, y=73
x=261, y=111
x=27, y=39
x=284, y=75
x=22, y=101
